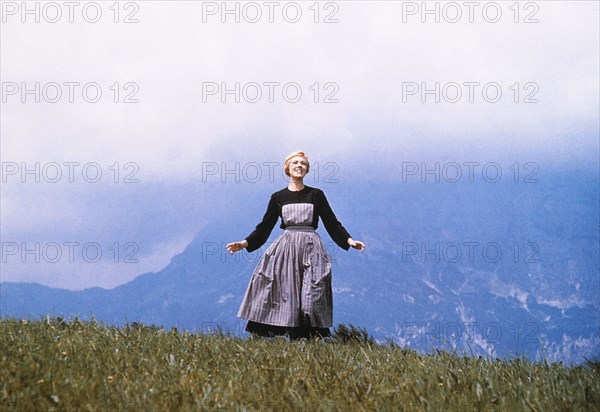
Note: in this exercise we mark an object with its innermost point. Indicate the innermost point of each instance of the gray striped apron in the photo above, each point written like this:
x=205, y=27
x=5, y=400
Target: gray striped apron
x=291, y=284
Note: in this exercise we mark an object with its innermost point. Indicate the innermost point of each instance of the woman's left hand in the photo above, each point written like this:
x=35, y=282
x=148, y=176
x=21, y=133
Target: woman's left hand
x=356, y=244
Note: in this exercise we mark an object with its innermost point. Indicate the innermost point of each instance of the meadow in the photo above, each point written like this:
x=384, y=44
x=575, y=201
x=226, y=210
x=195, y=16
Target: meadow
x=58, y=365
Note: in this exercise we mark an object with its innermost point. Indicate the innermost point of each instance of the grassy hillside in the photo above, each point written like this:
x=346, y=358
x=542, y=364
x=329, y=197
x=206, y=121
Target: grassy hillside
x=56, y=365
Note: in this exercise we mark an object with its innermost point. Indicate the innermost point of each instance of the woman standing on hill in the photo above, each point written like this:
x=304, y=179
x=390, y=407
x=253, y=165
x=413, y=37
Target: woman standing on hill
x=290, y=290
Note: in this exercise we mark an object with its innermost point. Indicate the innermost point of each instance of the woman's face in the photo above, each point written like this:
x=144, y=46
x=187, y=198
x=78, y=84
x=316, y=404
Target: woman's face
x=298, y=167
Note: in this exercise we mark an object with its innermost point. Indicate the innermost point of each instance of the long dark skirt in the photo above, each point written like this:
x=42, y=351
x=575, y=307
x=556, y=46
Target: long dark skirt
x=261, y=329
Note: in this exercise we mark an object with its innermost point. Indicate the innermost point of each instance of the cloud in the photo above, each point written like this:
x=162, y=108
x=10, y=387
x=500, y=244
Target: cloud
x=366, y=65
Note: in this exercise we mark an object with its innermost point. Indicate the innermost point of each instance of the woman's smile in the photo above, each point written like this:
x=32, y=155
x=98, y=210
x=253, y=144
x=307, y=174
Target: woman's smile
x=298, y=166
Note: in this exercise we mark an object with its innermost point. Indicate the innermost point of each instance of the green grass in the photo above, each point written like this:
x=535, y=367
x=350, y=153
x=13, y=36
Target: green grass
x=87, y=366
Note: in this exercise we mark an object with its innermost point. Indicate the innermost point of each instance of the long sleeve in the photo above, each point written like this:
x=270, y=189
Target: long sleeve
x=260, y=235
x=333, y=226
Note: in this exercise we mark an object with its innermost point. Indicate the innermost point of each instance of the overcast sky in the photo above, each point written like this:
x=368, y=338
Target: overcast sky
x=514, y=82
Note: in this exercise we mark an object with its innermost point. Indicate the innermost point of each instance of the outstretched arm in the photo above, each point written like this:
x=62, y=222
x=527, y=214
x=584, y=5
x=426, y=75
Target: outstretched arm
x=260, y=235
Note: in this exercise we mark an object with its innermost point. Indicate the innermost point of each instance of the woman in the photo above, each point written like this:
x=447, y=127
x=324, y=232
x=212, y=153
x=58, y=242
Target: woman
x=290, y=290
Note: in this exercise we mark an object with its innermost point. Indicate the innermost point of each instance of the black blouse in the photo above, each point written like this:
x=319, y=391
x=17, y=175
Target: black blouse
x=311, y=195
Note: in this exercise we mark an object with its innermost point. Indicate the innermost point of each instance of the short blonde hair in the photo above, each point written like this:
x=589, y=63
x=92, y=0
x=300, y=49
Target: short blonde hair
x=286, y=164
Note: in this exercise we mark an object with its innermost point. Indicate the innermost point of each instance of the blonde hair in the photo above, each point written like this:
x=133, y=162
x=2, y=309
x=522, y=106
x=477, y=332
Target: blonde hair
x=286, y=164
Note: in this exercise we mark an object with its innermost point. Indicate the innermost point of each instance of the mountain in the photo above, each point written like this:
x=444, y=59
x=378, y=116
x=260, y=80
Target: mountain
x=495, y=269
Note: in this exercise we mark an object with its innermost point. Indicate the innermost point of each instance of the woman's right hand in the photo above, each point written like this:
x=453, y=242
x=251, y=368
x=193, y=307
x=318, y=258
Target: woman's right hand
x=236, y=246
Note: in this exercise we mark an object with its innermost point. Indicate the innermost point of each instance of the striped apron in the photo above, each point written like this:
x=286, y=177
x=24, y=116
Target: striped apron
x=291, y=284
